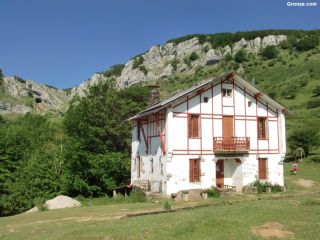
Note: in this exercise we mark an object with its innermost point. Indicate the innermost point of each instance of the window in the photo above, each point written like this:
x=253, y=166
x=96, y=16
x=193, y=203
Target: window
x=249, y=103
x=262, y=164
x=205, y=99
x=226, y=92
x=193, y=127
x=194, y=170
x=262, y=128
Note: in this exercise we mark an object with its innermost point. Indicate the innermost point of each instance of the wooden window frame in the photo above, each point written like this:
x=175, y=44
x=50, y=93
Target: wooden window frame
x=194, y=170
x=227, y=92
x=194, y=128
x=262, y=128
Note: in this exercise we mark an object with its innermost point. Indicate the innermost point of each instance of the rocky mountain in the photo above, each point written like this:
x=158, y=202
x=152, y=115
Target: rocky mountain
x=172, y=58
x=21, y=96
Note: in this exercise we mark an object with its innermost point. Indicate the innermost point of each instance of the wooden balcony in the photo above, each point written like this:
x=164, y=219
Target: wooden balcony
x=231, y=144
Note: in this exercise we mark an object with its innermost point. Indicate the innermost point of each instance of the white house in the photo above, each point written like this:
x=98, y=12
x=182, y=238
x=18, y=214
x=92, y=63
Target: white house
x=222, y=132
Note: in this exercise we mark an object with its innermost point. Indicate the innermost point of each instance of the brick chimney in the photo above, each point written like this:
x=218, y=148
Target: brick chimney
x=154, y=94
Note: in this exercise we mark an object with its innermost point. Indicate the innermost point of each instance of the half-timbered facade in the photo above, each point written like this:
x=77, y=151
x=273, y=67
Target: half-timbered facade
x=222, y=132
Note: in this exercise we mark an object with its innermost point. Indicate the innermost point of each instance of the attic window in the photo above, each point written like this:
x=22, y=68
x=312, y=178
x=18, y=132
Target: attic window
x=226, y=92
x=249, y=103
x=205, y=99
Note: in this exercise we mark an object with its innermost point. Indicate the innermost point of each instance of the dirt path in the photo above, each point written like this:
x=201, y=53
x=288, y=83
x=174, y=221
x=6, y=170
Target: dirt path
x=304, y=183
x=271, y=230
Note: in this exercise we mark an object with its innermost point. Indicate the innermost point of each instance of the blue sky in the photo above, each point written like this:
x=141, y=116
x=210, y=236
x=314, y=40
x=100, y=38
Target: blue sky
x=63, y=42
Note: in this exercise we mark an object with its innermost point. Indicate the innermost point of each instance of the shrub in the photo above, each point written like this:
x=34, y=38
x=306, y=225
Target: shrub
x=302, y=83
x=137, y=195
x=270, y=52
x=174, y=64
x=289, y=92
x=143, y=69
x=228, y=57
x=167, y=206
x=285, y=44
x=205, y=49
x=260, y=187
x=213, y=192
x=137, y=61
x=315, y=159
x=303, y=137
x=187, y=61
x=193, y=56
x=316, y=91
x=241, y=56
x=114, y=70
x=313, y=103
x=276, y=188
x=307, y=43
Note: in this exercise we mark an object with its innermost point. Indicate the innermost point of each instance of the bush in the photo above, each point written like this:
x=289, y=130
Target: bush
x=137, y=195
x=167, y=206
x=316, y=91
x=193, y=56
x=276, y=188
x=307, y=43
x=241, y=56
x=313, y=103
x=270, y=52
x=213, y=192
x=114, y=70
x=137, y=61
x=143, y=69
x=315, y=159
x=174, y=64
x=260, y=187
x=303, y=137
x=187, y=61
x=228, y=57
x=285, y=44
x=289, y=92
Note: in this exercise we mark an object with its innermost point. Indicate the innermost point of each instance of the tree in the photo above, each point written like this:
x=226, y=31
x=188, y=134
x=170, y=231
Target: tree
x=307, y=138
x=241, y=56
x=100, y=138
x=307, y=43
x=270, y=52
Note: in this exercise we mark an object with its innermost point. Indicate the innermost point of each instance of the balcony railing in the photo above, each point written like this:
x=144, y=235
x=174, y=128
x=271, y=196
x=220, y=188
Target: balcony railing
x=231, y=144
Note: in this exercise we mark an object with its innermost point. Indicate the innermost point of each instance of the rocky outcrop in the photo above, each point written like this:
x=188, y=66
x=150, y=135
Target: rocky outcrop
x=20, y=96
x=165, y=60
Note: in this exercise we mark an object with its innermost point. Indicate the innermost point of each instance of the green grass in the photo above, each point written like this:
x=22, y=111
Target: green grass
x=299, y=214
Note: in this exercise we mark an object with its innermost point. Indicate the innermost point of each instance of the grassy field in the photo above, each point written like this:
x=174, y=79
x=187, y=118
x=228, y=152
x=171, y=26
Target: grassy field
x=239, y=218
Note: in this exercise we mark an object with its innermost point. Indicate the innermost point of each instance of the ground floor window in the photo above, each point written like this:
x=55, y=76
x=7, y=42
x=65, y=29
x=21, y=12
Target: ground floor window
x=194, y=170
x=262, y=164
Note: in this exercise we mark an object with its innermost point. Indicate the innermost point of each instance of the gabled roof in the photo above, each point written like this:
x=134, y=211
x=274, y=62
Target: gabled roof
x=163, y=104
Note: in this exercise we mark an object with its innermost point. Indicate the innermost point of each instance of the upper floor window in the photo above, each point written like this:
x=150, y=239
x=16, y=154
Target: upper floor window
x=227, y=92
x=249, y=103
x=206, y=99
x=262, y=128
x=193, y=127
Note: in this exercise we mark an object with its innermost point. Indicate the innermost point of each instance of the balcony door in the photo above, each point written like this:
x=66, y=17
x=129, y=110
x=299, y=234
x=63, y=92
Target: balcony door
x=227, y=126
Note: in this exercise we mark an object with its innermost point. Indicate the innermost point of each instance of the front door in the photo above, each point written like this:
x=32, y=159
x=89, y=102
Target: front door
x=220, y=173
x=262, y=164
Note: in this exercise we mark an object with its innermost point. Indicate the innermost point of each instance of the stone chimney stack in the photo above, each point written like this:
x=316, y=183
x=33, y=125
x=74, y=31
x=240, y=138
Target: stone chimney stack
x=154, y=94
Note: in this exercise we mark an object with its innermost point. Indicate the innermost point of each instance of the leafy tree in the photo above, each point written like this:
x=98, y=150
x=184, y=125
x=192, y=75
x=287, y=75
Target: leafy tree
x=100, y=137
x=307, y=43
x=286, y=44
x=307, y=138
x=228, y=57
x=241, y=56
x=270, y=52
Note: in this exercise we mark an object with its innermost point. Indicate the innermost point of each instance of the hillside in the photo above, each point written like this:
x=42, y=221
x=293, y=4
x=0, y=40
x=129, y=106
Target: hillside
x=21, y=96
